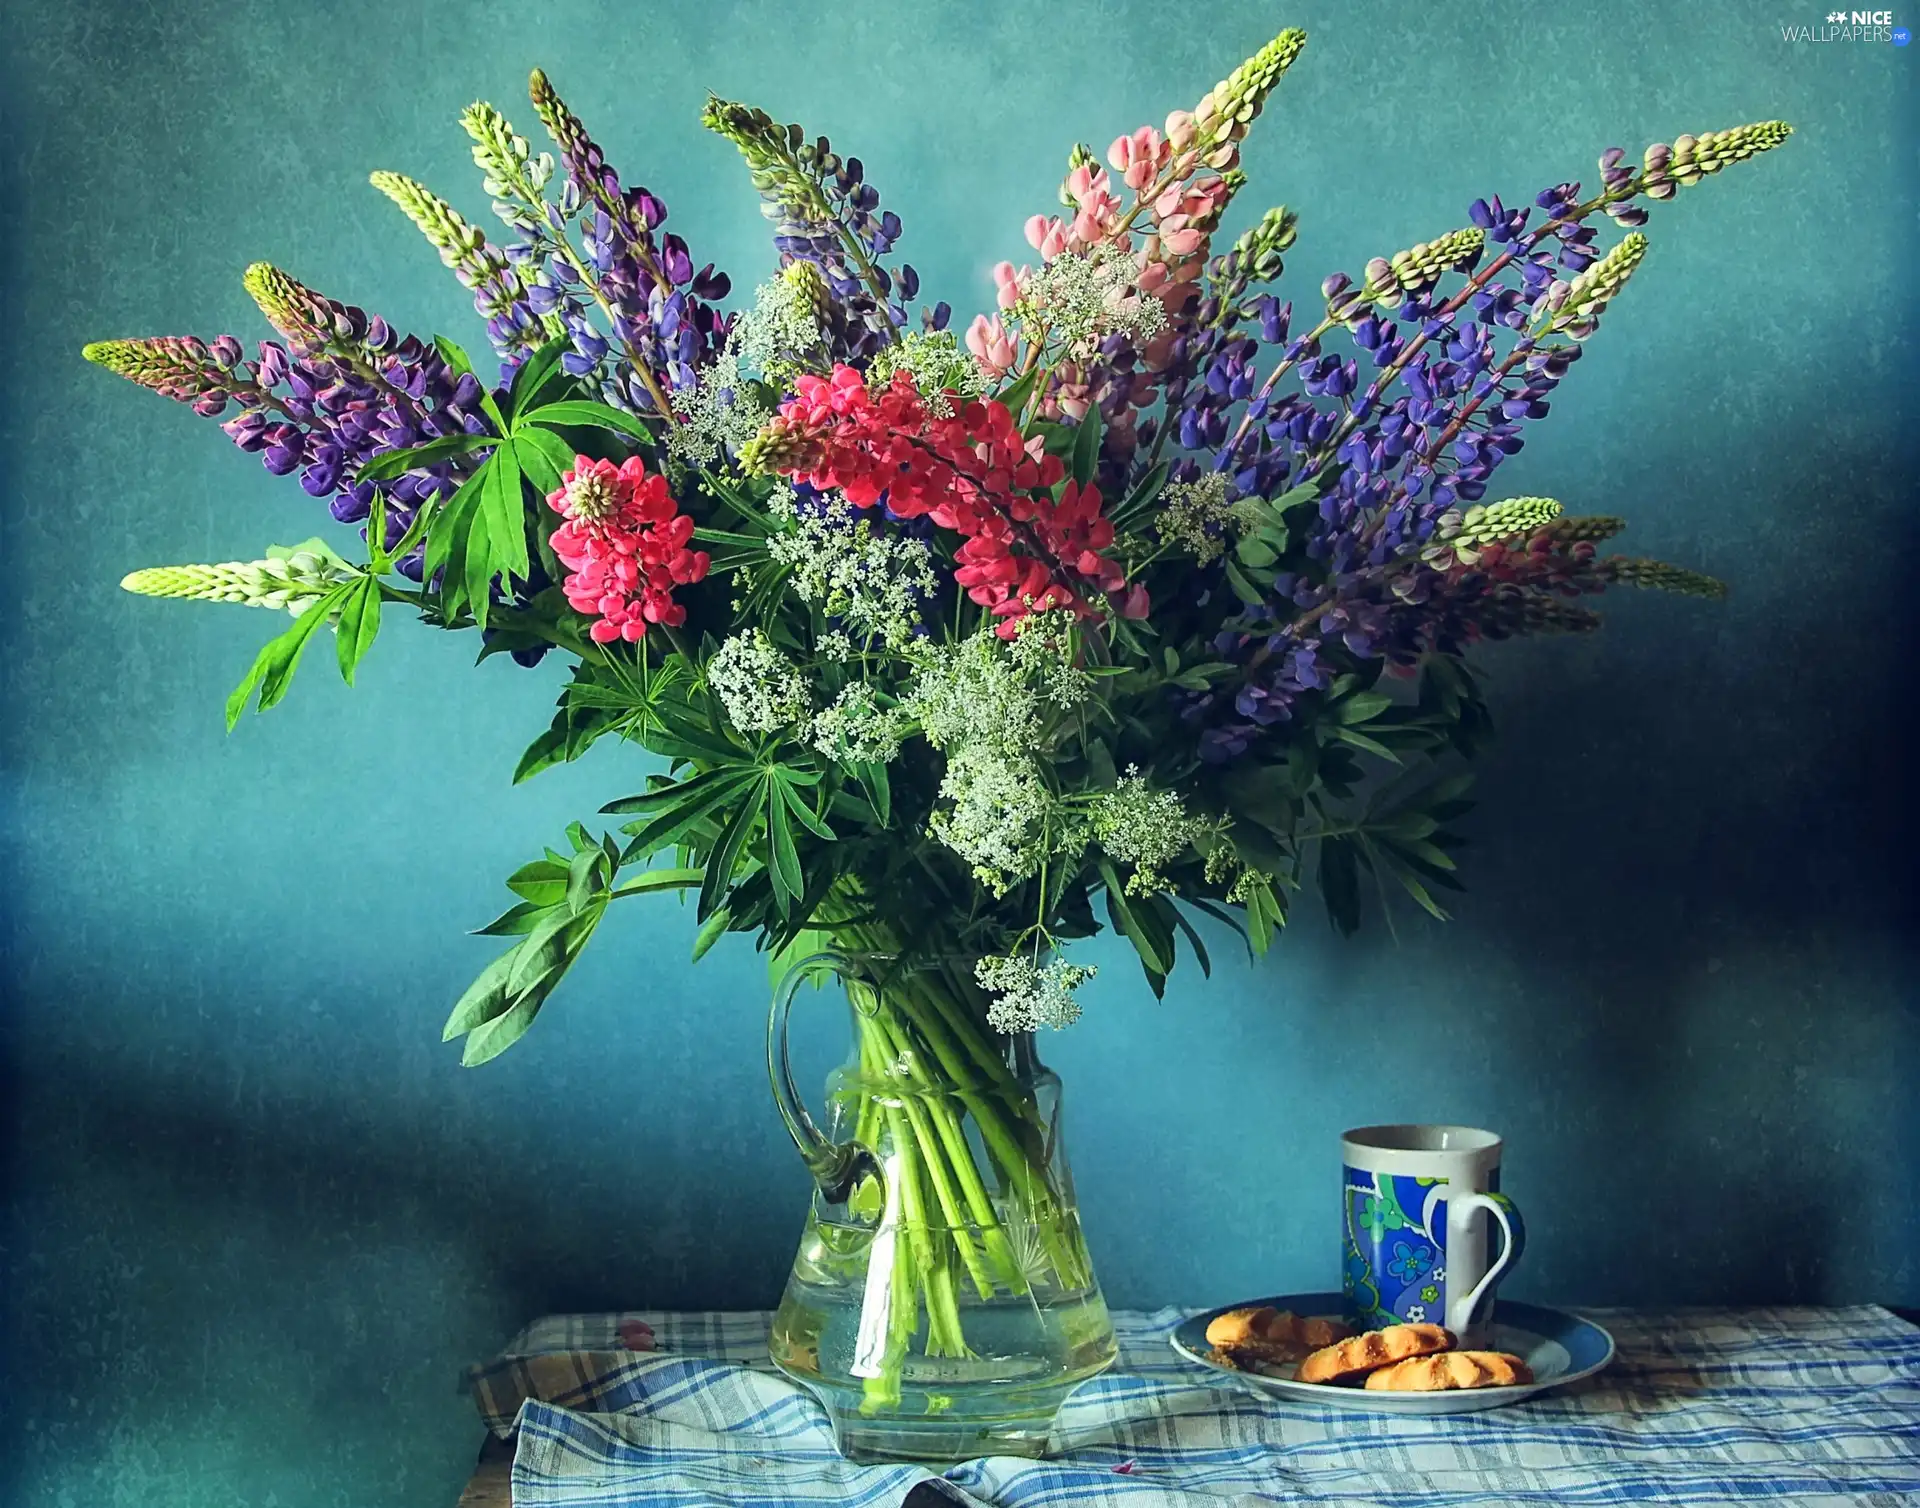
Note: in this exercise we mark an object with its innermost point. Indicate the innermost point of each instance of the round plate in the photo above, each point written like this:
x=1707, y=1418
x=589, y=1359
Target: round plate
x=1559, y=1347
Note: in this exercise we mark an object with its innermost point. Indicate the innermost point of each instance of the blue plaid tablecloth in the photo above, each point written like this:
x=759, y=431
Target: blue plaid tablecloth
x=1775, y=1406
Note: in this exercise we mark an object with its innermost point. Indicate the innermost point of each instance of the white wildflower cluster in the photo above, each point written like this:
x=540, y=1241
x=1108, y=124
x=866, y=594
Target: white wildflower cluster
x=760, y=688
x=1197, y=516
x=1029, y=995
x=997, y=816
x=941, y=368
x=874, y=583
x=1083, y=299
x=984, y=703
x=725, y=410
x=1143, y=827
x=857, y=729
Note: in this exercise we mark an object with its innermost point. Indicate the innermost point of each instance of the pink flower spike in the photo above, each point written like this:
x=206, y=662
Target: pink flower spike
x=1037, y=228
x=1181, y=129
x=991, y=346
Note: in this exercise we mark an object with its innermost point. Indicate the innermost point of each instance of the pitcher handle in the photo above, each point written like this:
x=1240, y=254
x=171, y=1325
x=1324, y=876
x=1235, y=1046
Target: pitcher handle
x=837, y=1167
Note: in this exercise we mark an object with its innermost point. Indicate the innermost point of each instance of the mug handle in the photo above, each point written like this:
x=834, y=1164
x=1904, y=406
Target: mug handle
x=1513, y=1232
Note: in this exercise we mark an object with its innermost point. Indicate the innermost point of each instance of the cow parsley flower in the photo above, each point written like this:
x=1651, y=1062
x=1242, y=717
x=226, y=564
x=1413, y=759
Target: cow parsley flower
x=728, y=408
x=758, y=686
x=996, y=817
x=988, y=692
x=1029, y=995
x=857, y=729
x=1196, y=516
x=1143, y=827
x=873, y=582
x=1083, y=299
x=941, y=369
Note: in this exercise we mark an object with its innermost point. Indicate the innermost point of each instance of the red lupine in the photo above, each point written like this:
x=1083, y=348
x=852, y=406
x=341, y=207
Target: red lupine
x=624, y=544
x=970, y=471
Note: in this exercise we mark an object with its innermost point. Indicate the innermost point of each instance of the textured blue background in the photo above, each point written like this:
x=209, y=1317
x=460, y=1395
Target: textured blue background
x=259, y=1215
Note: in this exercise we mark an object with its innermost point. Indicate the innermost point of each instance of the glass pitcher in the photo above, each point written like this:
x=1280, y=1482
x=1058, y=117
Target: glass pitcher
x=941, y=1305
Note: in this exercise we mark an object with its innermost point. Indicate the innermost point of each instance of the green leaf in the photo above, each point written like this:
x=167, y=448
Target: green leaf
x=1340, y=883
x=1193, y=940
x=711, y=931
x=491, y=1038
x=804, y=811
x=393, y=463
x=1259, y=918
x=1150, y=939
x=650, y=880
x=543, y=882
x=446, y=541
x=783, y=857
x=515, y=921
x=543, y=454
x=476, y=560
x=1243, y=588
x=578, y=411
x=1144, y=492
x=1254, y=552
x=1360, y=741
x=1362, y=707
x=535, y=373
x=1086, y=446
x=453, y=356
x=1015, y=396
x=583, y=879
x=726, y=852
x=359, y=625
x=875, y=781
x=273, y=668
x=484, y=999
x=540, y=952
x=506, y=515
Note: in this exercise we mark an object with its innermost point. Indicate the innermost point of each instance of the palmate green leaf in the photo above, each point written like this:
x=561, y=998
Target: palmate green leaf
x=1193, y=940
x=1362, y=742
x=650, y=880
x=394, y=463
x=1243, y=586
x=543, y=455
x=580, y=412
x=535, y=375
x=272, y=669
x=544, y=882
x=506, y=515
x=484, y=999
x=515, y=921
x=454, y=356
x=1362, y=707
x=1150, y=939
x=879, y=790
x=783, y=860
x=445, y=555
x=671, y=825
x=726, y=852
x=359, y=625
x=801, y=809
x=1145, y=492
x=495, y=1035
x=1016, y=394
x=711, y=931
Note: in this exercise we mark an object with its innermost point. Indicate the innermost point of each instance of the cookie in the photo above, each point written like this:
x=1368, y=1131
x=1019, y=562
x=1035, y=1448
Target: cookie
x=1353, y=1359
x=1451, y=1369
x=1271, y=1335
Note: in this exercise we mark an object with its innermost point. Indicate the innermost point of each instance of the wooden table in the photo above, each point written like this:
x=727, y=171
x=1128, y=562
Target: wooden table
x=491, y=1486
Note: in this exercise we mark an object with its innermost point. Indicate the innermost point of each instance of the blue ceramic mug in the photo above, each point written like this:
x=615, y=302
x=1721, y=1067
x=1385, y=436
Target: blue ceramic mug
x=1420, y=1204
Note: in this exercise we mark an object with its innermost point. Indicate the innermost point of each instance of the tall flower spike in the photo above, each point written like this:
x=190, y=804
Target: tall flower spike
x=175, y=366
x=294, y=583
x=1230, y=106
x=1421, y=265
x=1691, y=158
x=310, y=321
x=1657, y=575
x=1591, y=292
x=1482, y=526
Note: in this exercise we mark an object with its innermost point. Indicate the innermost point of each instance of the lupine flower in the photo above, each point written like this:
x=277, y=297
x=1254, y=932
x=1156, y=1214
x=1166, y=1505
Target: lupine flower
x=1577, y=311
x=292, y=584
x=972, y=472
x=625, y=547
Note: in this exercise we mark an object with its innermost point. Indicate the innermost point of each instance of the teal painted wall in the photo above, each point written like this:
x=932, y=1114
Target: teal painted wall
x=259, y=1216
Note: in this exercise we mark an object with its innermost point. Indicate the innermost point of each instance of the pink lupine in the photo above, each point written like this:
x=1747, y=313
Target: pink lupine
x=624, y=544
x=1008, y=284
x=1046, y=235
x=991, y=345
x=1140, y=157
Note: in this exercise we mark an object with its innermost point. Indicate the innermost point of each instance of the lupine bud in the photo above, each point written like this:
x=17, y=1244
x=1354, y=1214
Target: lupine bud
x=439, y=221
x=294, y=583
x=1595, y=288
x=1229, y=108
x=1657, y=575
x=812, y=283
x=1589, y=527
x=1080, y=157
x=1691, y=158
x=176, y=366
x=1421, y=265
x=504, y=157
x=310, y=321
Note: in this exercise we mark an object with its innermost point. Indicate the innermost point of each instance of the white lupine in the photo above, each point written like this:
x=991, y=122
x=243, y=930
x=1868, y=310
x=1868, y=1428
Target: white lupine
x=758, y=686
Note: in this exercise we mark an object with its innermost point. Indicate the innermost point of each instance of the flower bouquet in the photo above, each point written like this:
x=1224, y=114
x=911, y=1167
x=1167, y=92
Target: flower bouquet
x=1136, y=603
